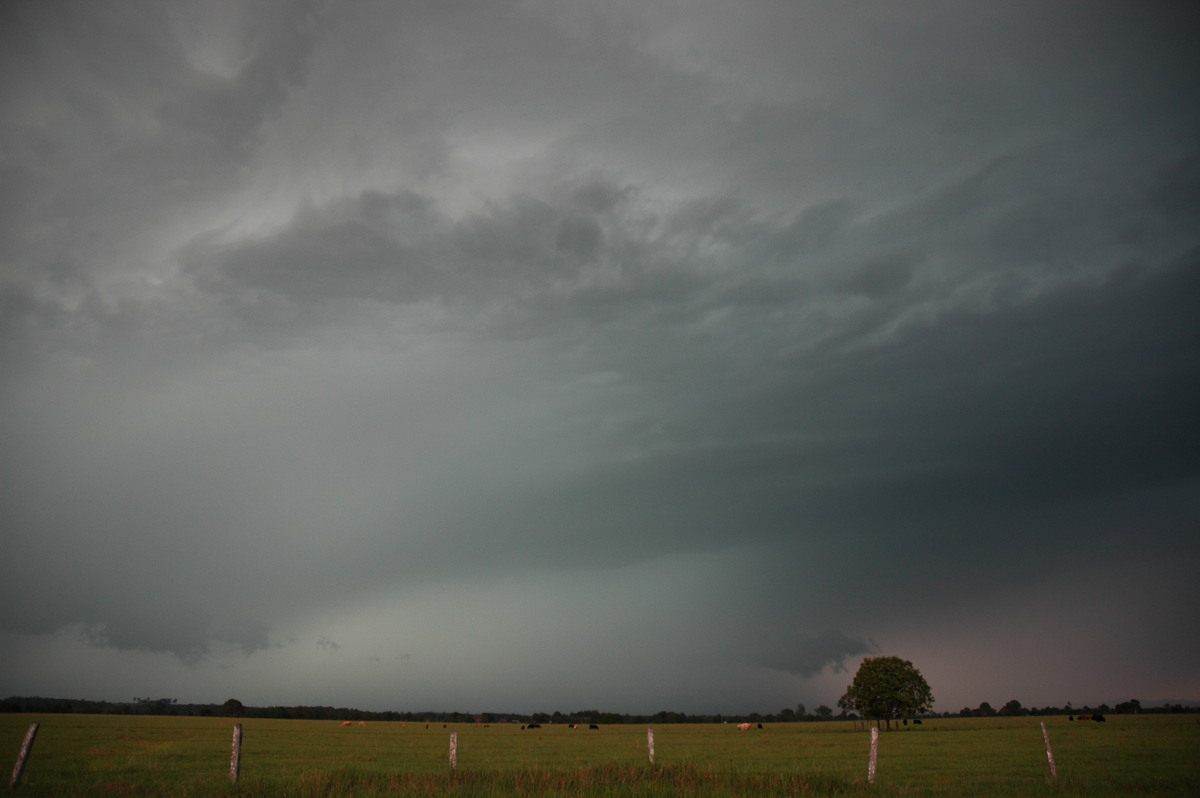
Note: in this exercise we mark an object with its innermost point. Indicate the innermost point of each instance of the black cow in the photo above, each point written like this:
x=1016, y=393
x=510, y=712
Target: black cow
x=533, y=726
x=593, y=726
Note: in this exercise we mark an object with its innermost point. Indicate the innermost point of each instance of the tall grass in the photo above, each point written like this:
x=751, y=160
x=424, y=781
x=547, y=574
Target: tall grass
x=146, y=756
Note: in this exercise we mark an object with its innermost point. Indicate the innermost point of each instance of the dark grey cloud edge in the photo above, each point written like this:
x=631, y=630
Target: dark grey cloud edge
x=548, y=257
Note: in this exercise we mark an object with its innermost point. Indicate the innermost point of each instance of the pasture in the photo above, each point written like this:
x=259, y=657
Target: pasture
x=189, y=756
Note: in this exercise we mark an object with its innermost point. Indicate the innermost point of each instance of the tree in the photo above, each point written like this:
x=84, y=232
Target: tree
x=155, y=706
x=888, y=688
x=1131, y=707
x=1013, y=709
x=824, y=712
x=233, y=708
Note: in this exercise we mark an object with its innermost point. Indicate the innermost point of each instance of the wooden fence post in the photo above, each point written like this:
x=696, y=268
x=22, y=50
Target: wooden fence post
x=453, y=750
x=650, y=742
x=1049, y=754
x=874, y=755
x=26, y=747
x=235, y=758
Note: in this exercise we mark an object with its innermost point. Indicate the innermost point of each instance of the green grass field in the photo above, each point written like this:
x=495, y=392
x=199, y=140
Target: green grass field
x=186, y=756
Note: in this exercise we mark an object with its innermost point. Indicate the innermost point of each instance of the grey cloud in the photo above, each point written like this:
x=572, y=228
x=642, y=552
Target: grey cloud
x=227, y=112
x=599, y=196
x=814, y=228
x=807, y=655
x=248, y=634
x=579, y=236
x=115, y=133
x=334, y=261
x=171, y=634
x=881, y=275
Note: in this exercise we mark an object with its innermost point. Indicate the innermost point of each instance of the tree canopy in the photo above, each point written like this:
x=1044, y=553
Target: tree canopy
x=887, y=688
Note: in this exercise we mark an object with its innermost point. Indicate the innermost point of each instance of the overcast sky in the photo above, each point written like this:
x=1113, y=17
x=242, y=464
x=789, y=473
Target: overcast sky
x=535, y=355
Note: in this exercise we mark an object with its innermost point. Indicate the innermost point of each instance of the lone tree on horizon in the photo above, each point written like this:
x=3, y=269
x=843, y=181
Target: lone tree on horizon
x=887, y=688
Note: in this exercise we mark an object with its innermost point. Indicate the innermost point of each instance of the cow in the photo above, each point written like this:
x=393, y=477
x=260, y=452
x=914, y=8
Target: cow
x=533, y=726
x=743, y=727
x=347, y=723
x=362, y=723
x=593, y=726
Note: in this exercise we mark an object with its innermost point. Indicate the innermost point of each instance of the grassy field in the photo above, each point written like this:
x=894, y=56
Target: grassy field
x=123, y=755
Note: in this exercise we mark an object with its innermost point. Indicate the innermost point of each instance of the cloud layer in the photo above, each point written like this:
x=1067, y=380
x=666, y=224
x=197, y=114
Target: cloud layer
x=529, y=355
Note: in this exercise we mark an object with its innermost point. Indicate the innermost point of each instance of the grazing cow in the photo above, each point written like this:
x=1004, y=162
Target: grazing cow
x=593, y=726
x=1085, y=717
x=347, y=723
x=743, y=727
x=760, y=725
x=362, y=723
x=534, y=726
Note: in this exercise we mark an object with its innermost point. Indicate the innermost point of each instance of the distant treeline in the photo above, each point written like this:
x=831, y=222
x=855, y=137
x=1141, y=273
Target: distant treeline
x=235, y=709
x=1014, y=709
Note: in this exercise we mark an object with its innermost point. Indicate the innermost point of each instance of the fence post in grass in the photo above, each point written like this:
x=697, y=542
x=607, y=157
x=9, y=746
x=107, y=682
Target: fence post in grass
x=650, y=742
x=235, y=757
x=453, y=750
x=26, y=747
x=873, y=756
x=1049, y=754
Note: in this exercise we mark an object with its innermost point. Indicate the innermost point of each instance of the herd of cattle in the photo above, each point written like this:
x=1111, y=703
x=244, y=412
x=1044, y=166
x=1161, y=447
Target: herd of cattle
x=569, y=726
x=740, y=726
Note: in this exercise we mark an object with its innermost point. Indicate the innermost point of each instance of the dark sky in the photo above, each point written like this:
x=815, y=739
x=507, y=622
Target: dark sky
x=494, y=355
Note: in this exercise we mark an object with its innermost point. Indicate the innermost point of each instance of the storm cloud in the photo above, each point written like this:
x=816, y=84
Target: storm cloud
x=531, y=356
